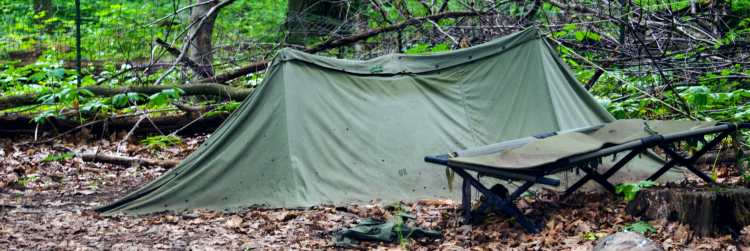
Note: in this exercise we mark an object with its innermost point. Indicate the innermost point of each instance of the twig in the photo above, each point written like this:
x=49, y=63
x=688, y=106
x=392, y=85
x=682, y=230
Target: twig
x=130, y=132
x=455, y=42
x=622, y=80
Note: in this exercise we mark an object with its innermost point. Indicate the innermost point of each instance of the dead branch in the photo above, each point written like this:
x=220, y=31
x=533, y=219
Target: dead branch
x=251, y=68
x=334, y=43
x=127, y=161
x=184, y=60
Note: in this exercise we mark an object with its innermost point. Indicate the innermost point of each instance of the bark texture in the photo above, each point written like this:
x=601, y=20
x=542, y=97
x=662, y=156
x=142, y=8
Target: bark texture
x=200, y=46
x=708, y=211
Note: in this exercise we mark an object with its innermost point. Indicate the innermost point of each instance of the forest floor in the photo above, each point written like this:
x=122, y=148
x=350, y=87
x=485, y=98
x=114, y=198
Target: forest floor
x=49, y=205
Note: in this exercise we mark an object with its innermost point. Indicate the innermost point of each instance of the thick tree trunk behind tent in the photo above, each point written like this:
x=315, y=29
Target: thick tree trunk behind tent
x=48, y=8
x=308, y=19
x=200, y=46
x=45, y=6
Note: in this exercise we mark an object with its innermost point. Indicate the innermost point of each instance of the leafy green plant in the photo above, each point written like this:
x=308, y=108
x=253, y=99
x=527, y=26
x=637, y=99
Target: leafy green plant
x=94, y=106
x=25, y=181
x=59, y=157
x=746, y=176
x=165, y=96
x=640, y=227
x=572, y=31
x=68, y=97
x=403, y=238
x=161, y=141
x=592, y=236
x=43, y=117
x=223, y=108
x=126, y=99
x=423, y=48
x=630, y=190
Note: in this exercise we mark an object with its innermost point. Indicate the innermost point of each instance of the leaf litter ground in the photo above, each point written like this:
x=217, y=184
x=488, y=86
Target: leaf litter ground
x=49, y=205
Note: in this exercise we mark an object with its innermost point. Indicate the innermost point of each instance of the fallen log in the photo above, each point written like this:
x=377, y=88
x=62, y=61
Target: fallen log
x=190, y=90
x=222, y=78
x=723, y=157
x=127, y=161
x=708, y=211
x=186, y=122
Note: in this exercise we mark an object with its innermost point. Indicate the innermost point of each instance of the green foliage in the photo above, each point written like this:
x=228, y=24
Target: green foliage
x=33, y=78
x=630, y=190
x=673, y=5
x=59, y=157
x=25, y=181
x=68, y=96
x=572, y=31
x=223, y=108
x=746, y=177
x=43, y=117
x=161, y=141
x=127, y=99
x=94, y=106
x=116, y=31
x=423, y=48
x=640, y=227
x=725, y=106
x=592, y=236
x=403, y=238
x=164, y=97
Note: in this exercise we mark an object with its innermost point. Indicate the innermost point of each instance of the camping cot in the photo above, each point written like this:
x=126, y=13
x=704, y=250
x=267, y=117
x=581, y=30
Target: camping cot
x=533, y=159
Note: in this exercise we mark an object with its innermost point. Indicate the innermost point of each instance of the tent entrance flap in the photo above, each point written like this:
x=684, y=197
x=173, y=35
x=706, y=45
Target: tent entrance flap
x=321, y=130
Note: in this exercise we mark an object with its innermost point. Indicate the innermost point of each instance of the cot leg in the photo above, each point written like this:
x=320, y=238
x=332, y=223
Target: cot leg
x=519, y=191
x=688, y=162
x=506, y=206
x=612, y=170
x=599, y=179
x=466, y=199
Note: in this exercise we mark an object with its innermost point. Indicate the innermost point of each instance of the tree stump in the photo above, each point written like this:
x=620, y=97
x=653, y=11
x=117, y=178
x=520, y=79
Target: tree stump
x=708, y=211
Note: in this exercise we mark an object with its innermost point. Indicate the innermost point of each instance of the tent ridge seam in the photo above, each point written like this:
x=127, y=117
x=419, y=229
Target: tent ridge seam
x=501, y=50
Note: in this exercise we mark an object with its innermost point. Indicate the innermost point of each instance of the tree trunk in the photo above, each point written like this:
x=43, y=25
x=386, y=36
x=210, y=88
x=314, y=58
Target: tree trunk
x=48, y=8
x=45, y=6
x=307, y=19
x=200, y=47
x=708, y=211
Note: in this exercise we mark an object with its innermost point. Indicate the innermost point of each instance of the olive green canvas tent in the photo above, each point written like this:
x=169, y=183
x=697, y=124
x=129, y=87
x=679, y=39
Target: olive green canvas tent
x=321, y=130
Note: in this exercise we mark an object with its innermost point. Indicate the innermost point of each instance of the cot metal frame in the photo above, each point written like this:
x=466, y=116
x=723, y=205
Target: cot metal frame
x=536, y=175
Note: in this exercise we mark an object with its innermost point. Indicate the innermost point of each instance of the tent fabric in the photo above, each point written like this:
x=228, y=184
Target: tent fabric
x=548, y=150
x=321, y=130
